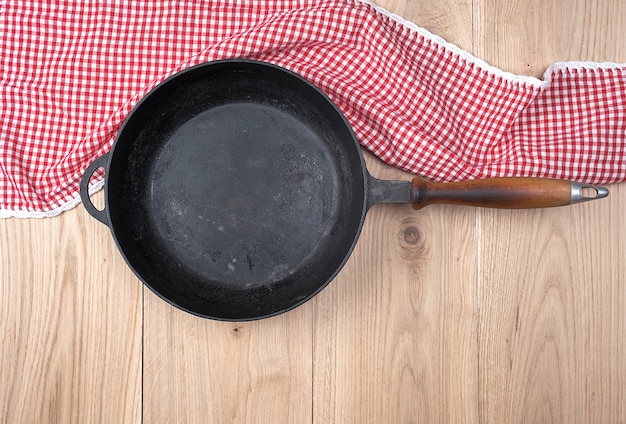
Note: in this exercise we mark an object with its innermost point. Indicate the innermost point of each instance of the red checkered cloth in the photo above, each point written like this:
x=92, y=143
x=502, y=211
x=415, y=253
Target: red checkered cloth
x=71, y=71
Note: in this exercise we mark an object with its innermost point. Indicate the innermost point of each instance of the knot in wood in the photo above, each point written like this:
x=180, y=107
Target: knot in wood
x=412, y=235
x=236, y=331
x=411, y=241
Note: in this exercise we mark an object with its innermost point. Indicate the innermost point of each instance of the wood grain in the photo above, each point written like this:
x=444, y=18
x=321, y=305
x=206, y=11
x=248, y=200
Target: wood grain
x=551, y=318
x=70, y=323
x=525, y=37
x=552, y=336
x=447, y=314
x=396, y=332
x=202, y=371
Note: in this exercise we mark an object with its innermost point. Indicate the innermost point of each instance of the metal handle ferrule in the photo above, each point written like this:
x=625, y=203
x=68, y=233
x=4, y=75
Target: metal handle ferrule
x=586, y=192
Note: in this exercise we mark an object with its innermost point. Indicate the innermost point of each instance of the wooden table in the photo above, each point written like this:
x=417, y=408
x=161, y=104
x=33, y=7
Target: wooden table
x=449, y=314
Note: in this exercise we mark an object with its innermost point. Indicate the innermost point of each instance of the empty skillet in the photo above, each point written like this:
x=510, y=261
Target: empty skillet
x=236, y=190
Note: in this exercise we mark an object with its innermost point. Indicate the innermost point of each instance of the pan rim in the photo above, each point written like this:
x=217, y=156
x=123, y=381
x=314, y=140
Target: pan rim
x=365, y=177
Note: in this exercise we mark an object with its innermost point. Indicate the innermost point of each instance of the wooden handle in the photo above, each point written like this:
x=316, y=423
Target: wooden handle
x=505, y=193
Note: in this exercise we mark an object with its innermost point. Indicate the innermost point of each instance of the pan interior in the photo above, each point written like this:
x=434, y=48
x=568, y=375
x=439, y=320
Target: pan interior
x=243, y=195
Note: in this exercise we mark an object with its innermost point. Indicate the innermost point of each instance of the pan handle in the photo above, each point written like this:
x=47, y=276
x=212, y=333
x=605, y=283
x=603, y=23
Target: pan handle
x=505, y=193
x=100, y=215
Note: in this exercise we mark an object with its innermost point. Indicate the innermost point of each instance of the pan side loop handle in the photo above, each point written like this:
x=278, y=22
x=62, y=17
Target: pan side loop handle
x=504, y=193
x=100, y=215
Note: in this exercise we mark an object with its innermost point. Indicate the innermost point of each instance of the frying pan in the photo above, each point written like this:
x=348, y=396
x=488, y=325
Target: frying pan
x=236, y=190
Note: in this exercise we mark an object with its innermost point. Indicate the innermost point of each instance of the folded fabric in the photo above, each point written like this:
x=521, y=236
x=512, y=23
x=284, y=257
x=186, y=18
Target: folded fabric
x=71, y=71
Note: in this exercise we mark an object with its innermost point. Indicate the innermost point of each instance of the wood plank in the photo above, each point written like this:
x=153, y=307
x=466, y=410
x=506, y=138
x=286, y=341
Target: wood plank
x=551, y=317
x=526, y=37
x=450, y=19
x=395, y=336
x=552, y=330
x=70, y=323
x=203, y=371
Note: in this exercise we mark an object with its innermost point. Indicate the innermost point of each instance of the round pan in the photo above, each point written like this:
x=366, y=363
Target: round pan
x=236, y=190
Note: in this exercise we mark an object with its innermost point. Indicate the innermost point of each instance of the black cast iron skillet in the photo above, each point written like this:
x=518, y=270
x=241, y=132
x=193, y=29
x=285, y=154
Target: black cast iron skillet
x=236, y=190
